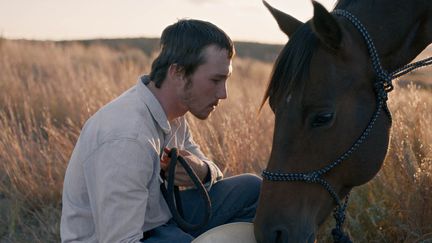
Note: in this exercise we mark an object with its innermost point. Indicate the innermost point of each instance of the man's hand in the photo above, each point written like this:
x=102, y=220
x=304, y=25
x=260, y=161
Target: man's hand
x=181, y=176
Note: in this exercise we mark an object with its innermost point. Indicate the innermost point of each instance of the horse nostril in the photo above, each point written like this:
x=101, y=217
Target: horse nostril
x=283, y=235
x=280, y=236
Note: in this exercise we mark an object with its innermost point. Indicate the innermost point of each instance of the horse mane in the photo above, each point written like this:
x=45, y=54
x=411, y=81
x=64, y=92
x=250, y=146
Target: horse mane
x=291, y=65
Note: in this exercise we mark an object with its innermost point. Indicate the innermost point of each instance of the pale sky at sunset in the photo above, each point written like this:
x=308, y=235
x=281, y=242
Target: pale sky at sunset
x=243, y=20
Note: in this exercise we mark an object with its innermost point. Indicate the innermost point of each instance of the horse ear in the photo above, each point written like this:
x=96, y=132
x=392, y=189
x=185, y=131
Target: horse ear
x=287, y=23
x=326, y=27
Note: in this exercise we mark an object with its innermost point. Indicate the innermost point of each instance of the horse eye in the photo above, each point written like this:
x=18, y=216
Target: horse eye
x=322, y=119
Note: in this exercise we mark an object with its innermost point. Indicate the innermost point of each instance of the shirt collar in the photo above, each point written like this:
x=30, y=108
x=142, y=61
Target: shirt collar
x=153, y=104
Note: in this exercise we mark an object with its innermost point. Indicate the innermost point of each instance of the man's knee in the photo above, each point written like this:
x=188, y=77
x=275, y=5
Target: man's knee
x=245, y=185
x=250, y=182
x=248, y=179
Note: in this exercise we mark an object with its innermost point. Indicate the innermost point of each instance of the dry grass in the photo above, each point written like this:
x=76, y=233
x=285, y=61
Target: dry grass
x=47, y=91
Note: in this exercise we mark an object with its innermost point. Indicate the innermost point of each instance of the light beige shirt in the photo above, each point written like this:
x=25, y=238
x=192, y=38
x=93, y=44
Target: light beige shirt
x=111, y=189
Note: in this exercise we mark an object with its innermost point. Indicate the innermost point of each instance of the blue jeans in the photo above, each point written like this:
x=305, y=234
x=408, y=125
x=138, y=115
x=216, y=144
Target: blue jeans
x=234, y=199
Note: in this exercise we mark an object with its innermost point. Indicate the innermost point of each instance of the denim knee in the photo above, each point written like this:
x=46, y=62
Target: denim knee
x=252, y=182
x=248, y=185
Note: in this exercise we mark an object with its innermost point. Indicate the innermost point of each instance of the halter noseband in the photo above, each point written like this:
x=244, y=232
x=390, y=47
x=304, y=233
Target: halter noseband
x=383, y=85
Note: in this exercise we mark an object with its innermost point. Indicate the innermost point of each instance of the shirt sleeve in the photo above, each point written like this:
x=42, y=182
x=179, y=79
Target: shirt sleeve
x=117, y=177
x=215, y=173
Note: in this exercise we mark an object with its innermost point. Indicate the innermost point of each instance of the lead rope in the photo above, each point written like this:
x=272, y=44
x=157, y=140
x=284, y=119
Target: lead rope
x=410, y=67
x=172, y=195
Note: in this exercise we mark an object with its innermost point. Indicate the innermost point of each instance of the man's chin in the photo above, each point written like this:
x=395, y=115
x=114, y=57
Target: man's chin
x=201, y=116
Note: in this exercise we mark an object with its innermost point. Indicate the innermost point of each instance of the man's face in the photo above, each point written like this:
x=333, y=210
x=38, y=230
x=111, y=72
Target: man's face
x=207, y=85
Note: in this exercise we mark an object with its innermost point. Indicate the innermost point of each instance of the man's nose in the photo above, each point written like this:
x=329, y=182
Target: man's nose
x=222, y=92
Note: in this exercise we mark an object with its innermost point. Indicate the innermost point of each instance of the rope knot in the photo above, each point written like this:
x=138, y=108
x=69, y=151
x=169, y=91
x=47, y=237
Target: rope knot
x=381, y=89
x=388, y=86
x=386, y=79
x=310, y=177
x=339, y=215
x=339, y=236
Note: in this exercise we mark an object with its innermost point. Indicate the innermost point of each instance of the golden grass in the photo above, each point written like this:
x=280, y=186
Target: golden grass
x=47, y=91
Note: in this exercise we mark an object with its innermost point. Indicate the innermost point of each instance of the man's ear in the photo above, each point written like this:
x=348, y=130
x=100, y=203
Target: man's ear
x=175, y=72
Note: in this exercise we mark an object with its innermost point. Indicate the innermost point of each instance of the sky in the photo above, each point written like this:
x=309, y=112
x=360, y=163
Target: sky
x=243, y=20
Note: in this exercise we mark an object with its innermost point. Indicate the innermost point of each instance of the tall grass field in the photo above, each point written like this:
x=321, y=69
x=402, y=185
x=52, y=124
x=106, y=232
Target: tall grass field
x=48, y=91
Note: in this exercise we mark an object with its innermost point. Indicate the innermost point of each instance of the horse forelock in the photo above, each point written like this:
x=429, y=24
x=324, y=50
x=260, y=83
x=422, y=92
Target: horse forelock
x=291, y=65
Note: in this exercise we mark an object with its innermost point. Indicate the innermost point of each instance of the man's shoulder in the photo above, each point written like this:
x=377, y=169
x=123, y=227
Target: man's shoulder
x=125, y=117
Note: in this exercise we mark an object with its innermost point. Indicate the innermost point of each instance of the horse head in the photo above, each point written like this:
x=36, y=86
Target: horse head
x=331, y=131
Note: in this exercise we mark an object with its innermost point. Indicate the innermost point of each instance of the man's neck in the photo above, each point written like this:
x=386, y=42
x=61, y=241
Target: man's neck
x=168, y=100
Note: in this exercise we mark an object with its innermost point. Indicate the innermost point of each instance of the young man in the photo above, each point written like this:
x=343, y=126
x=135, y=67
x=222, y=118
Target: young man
x=112, y=184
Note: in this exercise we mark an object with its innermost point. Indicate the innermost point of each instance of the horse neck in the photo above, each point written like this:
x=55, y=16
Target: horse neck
x=400, y=29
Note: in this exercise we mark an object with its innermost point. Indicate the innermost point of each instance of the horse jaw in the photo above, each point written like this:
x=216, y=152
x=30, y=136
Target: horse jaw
x=287, y=23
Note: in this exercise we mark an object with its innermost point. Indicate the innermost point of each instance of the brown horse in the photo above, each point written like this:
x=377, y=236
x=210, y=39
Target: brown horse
x=328, y=91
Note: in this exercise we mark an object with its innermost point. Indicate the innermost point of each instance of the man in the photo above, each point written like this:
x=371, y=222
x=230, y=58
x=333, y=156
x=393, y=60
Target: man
x=112, y=183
